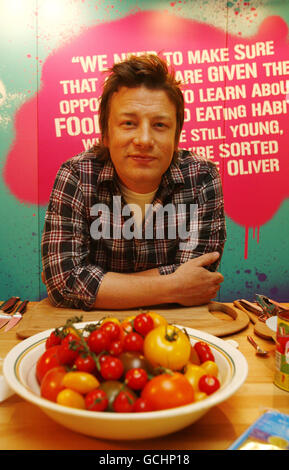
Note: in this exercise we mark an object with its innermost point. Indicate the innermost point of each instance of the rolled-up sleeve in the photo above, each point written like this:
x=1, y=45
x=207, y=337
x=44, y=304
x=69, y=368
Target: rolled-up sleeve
x=71, y=280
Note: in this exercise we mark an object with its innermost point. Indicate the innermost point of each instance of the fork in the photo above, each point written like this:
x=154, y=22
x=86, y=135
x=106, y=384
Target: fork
x=259, y=350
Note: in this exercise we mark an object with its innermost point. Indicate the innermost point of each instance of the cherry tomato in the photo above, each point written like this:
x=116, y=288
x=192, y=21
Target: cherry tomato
x=194, y=358
x=193, y=373
x=133, y=342
x=85, y=363
x=109, y=319
x=112, y=389
x=124, y=402
x=158, y=320
x=81, y=382
x=143, y=323
x=168, y=391
x=116, y=348
x=209, y=384
x=47, y=360
x=210, y=368
x=111, y=368
x=51, y=383
x=98, y=341
x=141, y=405
x=113, y=330
x=126, y=327
x=96, y=400
x=204, y=351
x=69, y=349
x=71, y=398
x=167, y=346
x=136, y=378
x=52, y=340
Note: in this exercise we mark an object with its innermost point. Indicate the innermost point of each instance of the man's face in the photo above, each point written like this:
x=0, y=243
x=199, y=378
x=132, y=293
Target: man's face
x=141, y=136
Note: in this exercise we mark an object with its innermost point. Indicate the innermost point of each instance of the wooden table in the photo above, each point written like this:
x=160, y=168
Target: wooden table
x=23, y=426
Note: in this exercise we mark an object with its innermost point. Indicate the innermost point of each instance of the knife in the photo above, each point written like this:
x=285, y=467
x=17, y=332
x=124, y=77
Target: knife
x=16, y=317
x=8, y=307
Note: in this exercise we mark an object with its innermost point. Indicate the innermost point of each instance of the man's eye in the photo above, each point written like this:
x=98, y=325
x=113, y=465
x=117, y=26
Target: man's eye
x=128, y=123
x=160, y=125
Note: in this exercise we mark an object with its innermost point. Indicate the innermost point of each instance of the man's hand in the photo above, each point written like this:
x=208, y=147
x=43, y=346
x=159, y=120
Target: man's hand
x=194, y=284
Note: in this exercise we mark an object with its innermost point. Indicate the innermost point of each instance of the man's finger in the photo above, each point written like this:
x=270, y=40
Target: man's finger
x=207, y=259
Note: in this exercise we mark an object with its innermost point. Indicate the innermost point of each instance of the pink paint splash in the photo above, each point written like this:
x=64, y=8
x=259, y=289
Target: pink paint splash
x=251, y=200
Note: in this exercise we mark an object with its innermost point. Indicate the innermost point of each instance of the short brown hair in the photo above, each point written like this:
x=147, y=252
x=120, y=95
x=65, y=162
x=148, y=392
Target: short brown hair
x=147, y=70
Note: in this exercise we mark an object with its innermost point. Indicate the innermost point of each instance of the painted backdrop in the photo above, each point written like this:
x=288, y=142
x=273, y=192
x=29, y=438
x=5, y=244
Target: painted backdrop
x=233, y=60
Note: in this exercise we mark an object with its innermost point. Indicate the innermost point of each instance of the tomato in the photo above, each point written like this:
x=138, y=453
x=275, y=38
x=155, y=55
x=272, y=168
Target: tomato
x=141, y=405
x=69, y=349
x=113, y=330
x=71, y=398
x=116, y=348
x=109, y=319
x=143, y=323
x=126, y=327
x=193, y=373
x=209, y=384
x=133, y=342
x=51, y=383
x=200, y=396
x=158, y=320
x=111, y=368
x=96, y=400
x=98, y=341
x=168, y=391
x=204, y=351
x=167, y=346
x=85, y=363
x=194, y=358
x=53, y=340
x=80, y=382
x=136, y=378
x=47, y=361
x=124, y=402
x=112, y=389
x=133, y=360
x=210, y=368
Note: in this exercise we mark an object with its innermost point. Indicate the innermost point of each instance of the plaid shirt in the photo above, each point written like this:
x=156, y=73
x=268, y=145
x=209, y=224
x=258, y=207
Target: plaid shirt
x=74, y=262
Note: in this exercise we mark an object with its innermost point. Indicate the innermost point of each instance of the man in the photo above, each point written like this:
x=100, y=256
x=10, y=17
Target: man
x=138, y=163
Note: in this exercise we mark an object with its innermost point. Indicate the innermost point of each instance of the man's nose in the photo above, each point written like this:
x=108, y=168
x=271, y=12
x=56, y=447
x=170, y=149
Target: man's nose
x=143, y=136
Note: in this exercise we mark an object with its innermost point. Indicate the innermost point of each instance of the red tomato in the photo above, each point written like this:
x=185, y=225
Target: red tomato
x=141, y=405
x=85, y=363
x=116, y=348
x=52, y=340
x=69, y=349
x=98, y=341
x=168, y=391
x=133, y=342
x=143, y=323
x=113, y=330
x=111, y=368
x=124, y=402
x=96, y=400
x=204, y=351
x=47, y=361
x=51, y=383
x=126, y=327
x=136, y=378
x=209, y=384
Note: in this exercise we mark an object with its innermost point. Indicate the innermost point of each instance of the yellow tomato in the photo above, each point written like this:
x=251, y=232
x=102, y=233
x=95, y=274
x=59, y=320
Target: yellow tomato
x=113, y=319
x=211, y=368
x=167, y=346
x=200, y=396
x=81, y=382
x=71, y=398
x=128, y=319
x=158, y=319
x=193, y=372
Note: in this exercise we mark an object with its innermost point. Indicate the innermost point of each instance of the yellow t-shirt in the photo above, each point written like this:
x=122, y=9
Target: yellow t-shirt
x=137, y=202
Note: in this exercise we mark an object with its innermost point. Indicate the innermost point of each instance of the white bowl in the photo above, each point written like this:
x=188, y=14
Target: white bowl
x=19, y=371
